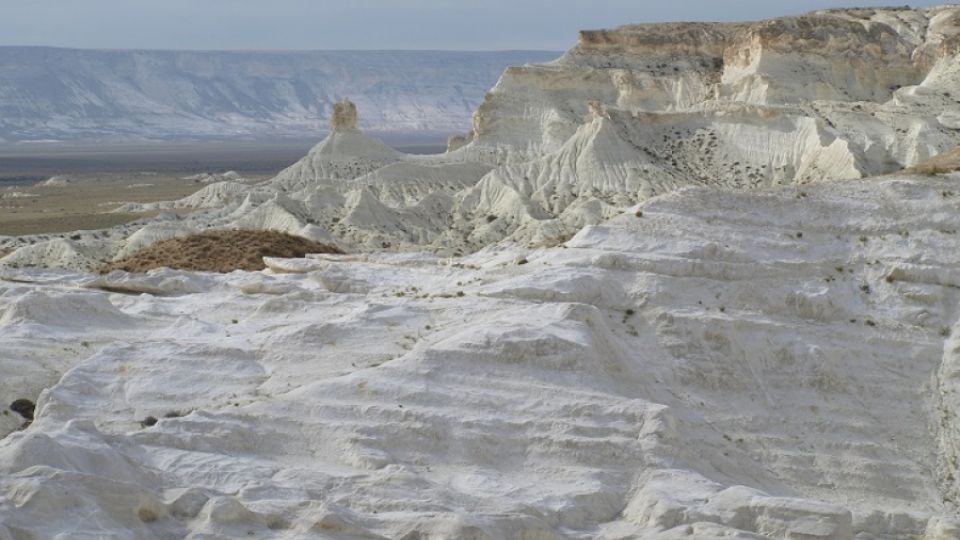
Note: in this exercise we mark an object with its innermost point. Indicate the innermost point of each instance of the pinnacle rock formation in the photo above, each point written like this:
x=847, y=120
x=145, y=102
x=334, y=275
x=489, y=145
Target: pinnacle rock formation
x=344, y=116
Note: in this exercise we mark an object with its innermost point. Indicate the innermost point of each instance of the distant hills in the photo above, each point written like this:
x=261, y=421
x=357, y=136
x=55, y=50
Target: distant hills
x=70, y=94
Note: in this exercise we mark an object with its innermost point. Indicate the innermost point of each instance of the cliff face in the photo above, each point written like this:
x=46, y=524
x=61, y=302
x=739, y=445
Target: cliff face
x=843, y=56
x=666, y=40
x=831, y=95
x=822, y=57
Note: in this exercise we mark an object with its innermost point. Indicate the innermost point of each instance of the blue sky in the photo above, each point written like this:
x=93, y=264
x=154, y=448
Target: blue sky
x=358, y=24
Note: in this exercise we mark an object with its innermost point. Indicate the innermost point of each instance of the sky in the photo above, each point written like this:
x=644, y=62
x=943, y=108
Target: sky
x=360, y=24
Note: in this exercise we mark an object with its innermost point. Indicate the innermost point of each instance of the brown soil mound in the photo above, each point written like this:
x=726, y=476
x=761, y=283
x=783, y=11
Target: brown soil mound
x=946, y=162
x=219, y=251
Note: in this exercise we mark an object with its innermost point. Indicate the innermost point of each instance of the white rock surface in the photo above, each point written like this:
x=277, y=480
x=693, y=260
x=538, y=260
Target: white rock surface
x=17, y=195
x=728, y=365
x=213, y=195
x=625, y=115
x=151, y=234
x=58, y=181
x=643, y=109
x=684, y=315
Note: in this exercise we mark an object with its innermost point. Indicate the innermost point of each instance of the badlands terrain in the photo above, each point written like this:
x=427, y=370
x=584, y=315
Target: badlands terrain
x=685, y=281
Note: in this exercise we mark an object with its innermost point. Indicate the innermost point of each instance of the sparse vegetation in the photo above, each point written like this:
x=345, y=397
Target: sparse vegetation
x=219, y=251
x=24, y=407
x=147, y=515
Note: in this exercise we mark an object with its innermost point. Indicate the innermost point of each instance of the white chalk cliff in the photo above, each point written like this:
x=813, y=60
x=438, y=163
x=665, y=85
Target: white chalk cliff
x=686, y=305
x=641, y=110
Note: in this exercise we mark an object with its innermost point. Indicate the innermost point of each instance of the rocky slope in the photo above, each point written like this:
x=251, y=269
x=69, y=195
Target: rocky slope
x=712, y=364
x=68, y=94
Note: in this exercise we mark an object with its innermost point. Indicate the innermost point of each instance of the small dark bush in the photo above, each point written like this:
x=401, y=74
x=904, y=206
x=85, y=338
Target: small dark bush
x=24, y=407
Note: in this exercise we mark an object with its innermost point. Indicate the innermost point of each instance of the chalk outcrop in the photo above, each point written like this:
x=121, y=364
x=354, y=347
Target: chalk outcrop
x=344, y=116
x=698, y=297
x=831, y=95
x=712, y=364
x=627, y=114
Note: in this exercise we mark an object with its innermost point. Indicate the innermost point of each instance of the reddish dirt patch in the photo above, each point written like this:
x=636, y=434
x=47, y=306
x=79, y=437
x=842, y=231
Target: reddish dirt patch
x=219, y=251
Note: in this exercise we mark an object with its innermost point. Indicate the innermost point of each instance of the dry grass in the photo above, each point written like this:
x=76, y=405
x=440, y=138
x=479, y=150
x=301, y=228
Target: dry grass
x=86, y=204
x=219, y=251
x=944, y=163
